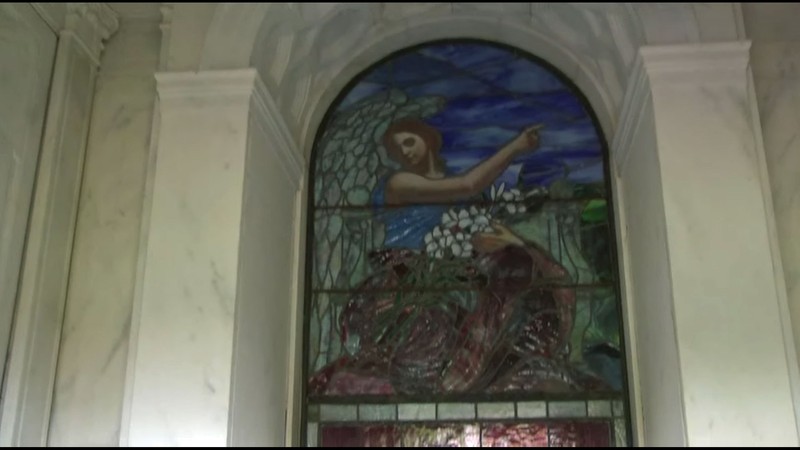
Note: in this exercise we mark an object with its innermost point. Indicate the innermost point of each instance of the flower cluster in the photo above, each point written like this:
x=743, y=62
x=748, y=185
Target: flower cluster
x=454, y=234
x=512, y=195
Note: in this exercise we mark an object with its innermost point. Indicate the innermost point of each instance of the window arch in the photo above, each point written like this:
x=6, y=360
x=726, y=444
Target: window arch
x=461, y=276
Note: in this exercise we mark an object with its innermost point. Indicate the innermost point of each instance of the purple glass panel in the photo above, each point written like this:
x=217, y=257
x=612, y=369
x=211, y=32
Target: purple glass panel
x=580, y=434
x=519, y=435
x=360, y=436
x=433, y=435
x=441, y=436
x=565, y=434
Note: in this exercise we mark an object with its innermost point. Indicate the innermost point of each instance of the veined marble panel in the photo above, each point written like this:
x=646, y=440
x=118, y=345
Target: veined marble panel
x=184, y=344
x=776, y=69
x=90, y=380
x=27, y=49
x=726, y=301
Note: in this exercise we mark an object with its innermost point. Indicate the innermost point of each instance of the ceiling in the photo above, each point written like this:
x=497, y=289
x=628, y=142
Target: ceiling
x=763, y=21
x=137, y=10
x=769, y=22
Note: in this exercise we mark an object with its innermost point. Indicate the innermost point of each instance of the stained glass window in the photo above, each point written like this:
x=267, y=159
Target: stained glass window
x=461, y=269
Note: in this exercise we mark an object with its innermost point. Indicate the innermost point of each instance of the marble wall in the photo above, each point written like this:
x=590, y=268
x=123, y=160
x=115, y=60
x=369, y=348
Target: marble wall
x=737, y=380
x=260, y=376
x=27, y=50
x=776, y=72
x=92, y=360
x=648, y=294
x=180, y=381
x=715, y=364
x=195, y=271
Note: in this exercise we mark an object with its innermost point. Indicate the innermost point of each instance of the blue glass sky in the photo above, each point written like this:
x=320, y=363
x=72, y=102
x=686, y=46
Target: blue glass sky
x=492, y=94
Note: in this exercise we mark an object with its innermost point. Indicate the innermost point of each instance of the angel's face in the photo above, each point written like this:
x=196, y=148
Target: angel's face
x=411, y=150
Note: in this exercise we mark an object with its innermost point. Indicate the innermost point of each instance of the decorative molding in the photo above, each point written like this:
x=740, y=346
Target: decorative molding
x=241, y=85
x=270, y=118
x=90, y=24
x=637, y=97
x=597, y=8
x=137, y=11
x=222, y=85
x=54, y=14
x=167, y=10
x=741, y=32
x=539, y=8
x=671, y=63
x=695, y=61
x=42, y=292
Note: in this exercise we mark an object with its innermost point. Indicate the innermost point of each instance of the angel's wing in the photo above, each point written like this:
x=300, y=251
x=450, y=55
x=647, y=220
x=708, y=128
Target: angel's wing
x=350, y=162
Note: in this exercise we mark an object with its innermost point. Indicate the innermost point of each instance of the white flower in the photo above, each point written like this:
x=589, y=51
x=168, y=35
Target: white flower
x=453, y=215
x=537, y=191
x=482, y=220
x=443, y=240
x=497, y=193
x=447, y=221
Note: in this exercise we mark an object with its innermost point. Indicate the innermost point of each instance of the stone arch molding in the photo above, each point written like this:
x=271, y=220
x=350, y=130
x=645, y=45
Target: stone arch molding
x=306, y=53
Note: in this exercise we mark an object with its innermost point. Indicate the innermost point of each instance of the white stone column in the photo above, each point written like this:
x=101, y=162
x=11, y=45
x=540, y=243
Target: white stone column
x=715, y=356
x=32, y=361
x=210, y=331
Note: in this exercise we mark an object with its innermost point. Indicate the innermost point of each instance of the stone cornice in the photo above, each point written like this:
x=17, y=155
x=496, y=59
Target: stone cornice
x=637, y=95
x=670, y=64
x=690, y=61
x=271, y=119
x=90, y=24
x=239, y=85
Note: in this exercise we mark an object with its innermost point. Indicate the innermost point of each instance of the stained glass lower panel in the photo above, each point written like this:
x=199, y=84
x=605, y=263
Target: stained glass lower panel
x=565, y=434
x=386, y=342
x=530, y=423
x=514, y=435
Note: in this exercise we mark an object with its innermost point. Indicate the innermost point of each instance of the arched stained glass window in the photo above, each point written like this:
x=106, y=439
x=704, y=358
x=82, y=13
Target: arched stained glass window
x=462, y=285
